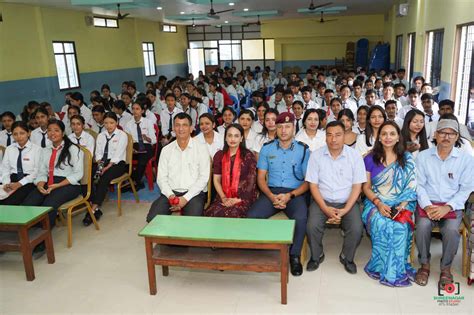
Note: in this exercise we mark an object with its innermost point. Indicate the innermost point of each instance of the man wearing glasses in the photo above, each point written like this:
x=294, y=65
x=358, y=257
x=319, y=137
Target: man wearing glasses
x=445, y=178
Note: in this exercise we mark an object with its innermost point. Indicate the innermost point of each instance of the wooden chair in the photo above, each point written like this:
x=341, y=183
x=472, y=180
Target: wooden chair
x=80, y=203
x=119, y=181
x=463, y=230
x=92, y=133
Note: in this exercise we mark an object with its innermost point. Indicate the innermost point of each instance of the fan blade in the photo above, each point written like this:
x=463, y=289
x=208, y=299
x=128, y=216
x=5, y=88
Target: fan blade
x=216, y=12
x=314, y=7
x=125, y=15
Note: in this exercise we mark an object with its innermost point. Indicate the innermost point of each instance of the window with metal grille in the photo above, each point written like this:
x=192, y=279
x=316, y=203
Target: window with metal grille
x=434, y=56
x=464, y=75
x=149, y=58
x=66, y=65
x=398, y=51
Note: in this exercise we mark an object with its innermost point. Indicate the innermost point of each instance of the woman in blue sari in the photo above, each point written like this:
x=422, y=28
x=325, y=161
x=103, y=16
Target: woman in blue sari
x=390, y=193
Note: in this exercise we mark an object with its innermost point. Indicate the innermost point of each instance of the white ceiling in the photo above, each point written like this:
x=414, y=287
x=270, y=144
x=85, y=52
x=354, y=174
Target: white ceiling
x=287, y=8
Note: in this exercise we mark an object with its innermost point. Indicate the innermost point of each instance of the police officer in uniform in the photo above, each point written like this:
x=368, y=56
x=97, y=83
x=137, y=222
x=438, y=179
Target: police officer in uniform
x=284, y=160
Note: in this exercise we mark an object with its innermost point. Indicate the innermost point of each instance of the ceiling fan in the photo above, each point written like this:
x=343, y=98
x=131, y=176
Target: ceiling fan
x=255, y=23
x=213, y=14
x=322, y=20
x=313, y=7
x=121, y=16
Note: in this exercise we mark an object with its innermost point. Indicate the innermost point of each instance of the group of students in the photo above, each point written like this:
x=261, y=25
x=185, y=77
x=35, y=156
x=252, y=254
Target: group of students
x=301, y=151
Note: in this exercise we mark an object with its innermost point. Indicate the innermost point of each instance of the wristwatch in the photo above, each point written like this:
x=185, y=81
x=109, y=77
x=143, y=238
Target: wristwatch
x=292, y=196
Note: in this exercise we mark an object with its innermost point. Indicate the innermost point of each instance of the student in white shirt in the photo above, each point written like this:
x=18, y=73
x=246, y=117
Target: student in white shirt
x=231, y=90
x=19, y=171
x=358, y=96
x=132, y=90
x=268, y=132
x=216, y=99
x=98, y=113
x=128, y=100
x=77, y=99
x=50, y=110
x=228, y=117
x=123, y=116
x=311, y=134
x=335, y=107
x=60, y=183
x=376, y=117
x=370, y=98
x=200, y=109
x=71, y=111
x=6, y=135
x=240, y=91
x=399, y=94
x=359, y=126
x=188, y=109
x=264, y=82
x=251, y=85
x=308, y=103
x=413, y=103
x=144, y=137
x=213, y=140
x=260, y=110
x=427, y=104
x=401, y=78
x=156, y=105
x=39, y=136
x=167, y=118
x=280, y=80
x=298, y=111
x=347, y=102
x=183, y=173
x=391, y=110
x=79, y=136
x=110, y=155
x=246, y=118
x=277, y=100
x=388, y=95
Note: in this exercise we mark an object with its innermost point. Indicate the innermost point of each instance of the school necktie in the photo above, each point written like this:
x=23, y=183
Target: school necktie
x=298, y=125
x=52, y=159
x=106, y=149
x=170, y=124
x=19, y=165
x=43, y=140
x=141, y=146
x=430, y=118
x=9, y=139
x=100, y=128
x=324, y=103
x=78, y=141
x=306, y=106
x=357, y=102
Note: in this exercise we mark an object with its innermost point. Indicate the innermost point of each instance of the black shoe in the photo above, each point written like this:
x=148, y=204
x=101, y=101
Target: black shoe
x=350, y=266
x=295, y=266
x=88, y=220
x=314, y=265
x=39, y=251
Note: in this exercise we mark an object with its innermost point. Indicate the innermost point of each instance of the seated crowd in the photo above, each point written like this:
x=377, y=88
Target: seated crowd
x=351, y=149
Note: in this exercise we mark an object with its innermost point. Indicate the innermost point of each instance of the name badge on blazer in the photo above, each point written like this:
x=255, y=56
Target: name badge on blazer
x=115, y=141
x=26, y=159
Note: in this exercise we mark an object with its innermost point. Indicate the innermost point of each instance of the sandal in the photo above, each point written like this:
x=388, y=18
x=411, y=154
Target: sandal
x=422, y=276
x=445, y=278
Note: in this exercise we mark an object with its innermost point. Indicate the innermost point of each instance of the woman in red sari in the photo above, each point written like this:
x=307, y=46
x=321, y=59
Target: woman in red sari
x=235, y=177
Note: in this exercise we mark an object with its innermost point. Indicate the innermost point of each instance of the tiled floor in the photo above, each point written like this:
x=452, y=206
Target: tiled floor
x=105, y=272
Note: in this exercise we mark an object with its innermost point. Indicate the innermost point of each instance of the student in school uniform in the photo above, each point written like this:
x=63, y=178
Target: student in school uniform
x=132, y=90
x=156, y=105
x=216, y=99
x=310, y=134
x=6, y=135
x=358, y=95
x=167, y=118
x=427, y=102
x=387, y=94
x=308, y=103
x=77, y=99
x=50, y=110
x=413, y=103
x=268, y=132
x=60, y=172
x=399, y=94
x=346, y=100
x=108, y=96
x=127, y=99
x=370, y=97
x=213, y=140
x=260, y=110
x=39, y=136
x=298, y=111
x=123, y=116
x=264, y=82
x=287, y=105
x=71, y=111
x=98, y=113
x=228, y=117
x=401, y=78
x=335, y=107
x=19, y=166
x=200, y=108
x=238, y=88
x=251, y=85
x=280, y=81
x=144, y=137
x=187, y=108
x=277, y=98
x=391, y=110
x=110, y=154
x=79, y=136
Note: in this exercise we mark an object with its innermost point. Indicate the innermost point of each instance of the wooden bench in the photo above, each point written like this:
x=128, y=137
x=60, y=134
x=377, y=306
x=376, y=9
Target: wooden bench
x=218, y=244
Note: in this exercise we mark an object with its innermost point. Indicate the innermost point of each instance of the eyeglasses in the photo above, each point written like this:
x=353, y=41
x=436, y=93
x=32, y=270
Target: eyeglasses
x=450, y=135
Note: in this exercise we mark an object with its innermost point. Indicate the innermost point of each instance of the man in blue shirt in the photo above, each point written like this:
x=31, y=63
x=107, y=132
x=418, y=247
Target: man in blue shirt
x=335, y=174
x=284, y=160
x=445, y=179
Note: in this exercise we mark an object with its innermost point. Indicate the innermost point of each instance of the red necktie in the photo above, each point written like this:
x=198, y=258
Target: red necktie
x=52, y=159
